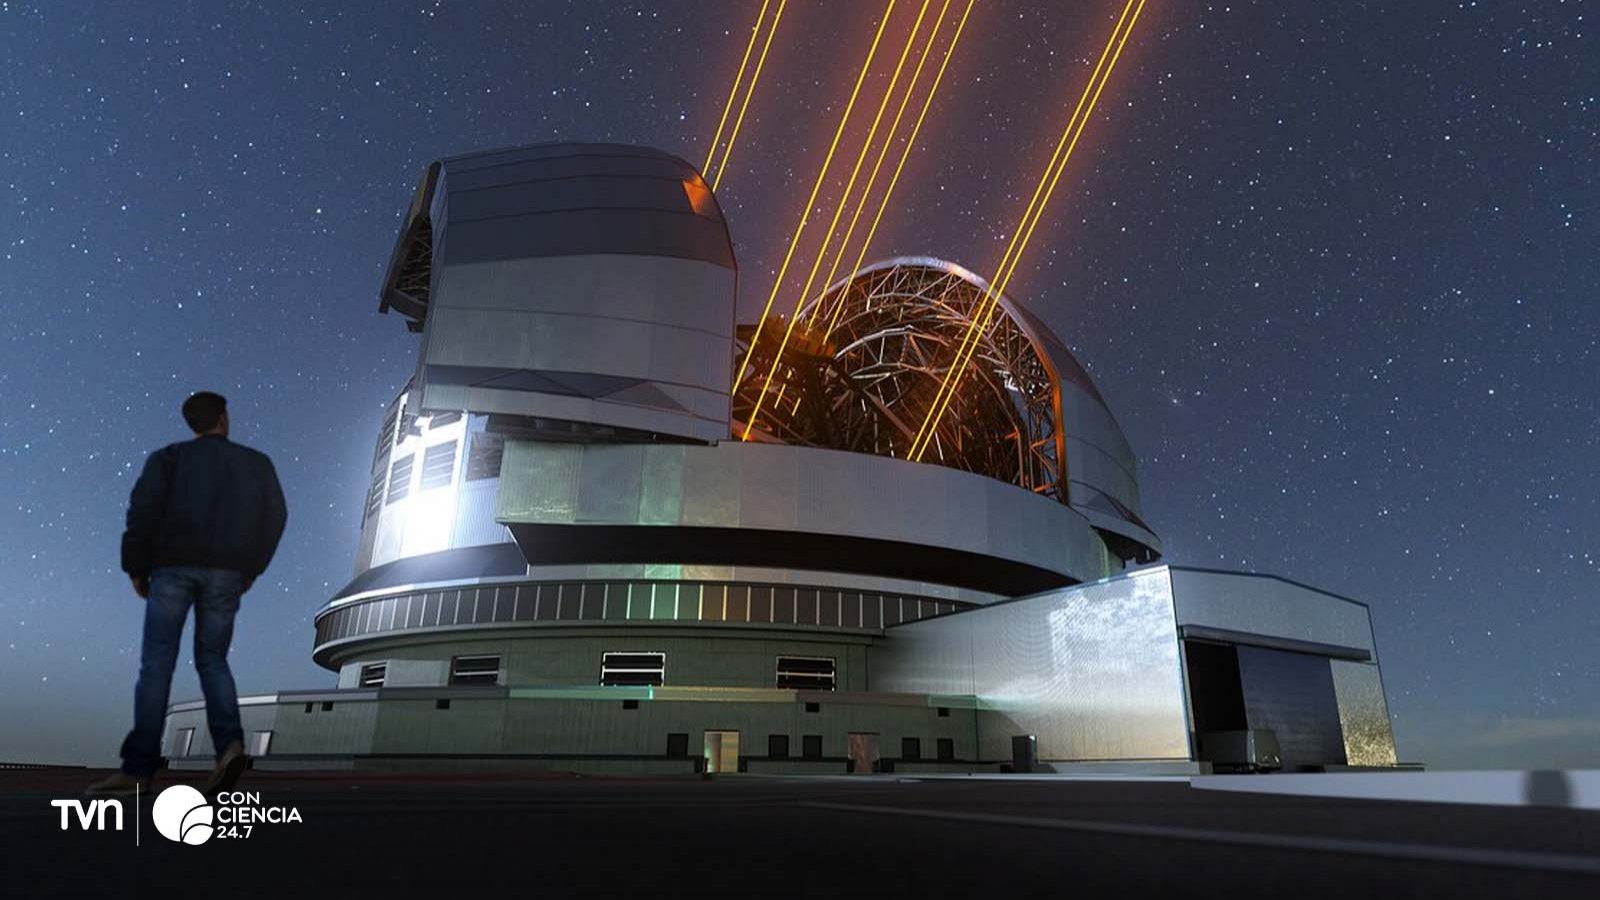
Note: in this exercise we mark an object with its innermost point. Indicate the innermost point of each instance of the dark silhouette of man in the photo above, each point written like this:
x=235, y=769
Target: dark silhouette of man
x=203, y=522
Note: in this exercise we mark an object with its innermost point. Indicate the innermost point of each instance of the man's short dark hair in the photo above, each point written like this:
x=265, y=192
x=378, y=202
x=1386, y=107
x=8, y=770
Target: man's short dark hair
x=204, y=410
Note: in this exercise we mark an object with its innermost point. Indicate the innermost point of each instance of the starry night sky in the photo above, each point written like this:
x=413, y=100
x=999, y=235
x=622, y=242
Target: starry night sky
x=1334, y=266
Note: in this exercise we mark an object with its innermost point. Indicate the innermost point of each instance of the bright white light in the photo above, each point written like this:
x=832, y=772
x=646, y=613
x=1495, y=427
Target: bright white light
x=429, y=517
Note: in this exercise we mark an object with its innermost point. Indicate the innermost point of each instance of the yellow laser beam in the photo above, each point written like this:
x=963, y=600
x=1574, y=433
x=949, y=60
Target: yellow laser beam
x=905, y=153
x=738, y=123
x=833, y=224
x=1031, y=218
x=733, y=92
x=866, y=147
x=991, y=299
x=936, y=409
x=822, y=175
x=883, y=153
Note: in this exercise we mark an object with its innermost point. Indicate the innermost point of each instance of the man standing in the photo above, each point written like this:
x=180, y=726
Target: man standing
x=203, y=522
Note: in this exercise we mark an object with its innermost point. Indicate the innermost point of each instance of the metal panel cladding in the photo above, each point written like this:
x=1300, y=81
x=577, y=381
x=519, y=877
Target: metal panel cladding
x=583, y=282
x=1092, y=671
x=750, y=504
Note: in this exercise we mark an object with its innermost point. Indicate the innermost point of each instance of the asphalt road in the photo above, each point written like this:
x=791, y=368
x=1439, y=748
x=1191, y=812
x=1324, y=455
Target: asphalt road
x=560, y=836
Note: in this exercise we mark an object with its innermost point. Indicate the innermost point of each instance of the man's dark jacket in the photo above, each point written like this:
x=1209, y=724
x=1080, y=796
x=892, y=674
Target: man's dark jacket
x=207, y=502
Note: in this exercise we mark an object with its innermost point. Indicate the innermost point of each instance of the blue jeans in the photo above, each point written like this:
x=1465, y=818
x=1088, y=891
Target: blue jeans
x=214, y=594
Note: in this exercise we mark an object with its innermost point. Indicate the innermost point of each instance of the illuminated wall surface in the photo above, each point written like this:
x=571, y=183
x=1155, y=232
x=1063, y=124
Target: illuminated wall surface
x=1095, y=671
x=1018, y=542
x=1363, y=714
x=1091, y=671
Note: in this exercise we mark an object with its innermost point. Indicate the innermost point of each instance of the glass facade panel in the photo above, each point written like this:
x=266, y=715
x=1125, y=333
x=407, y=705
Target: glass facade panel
x=761, y=604
x=850, y=610
x=639, y=599
x=569, y=602
x=665, y=604
x=891, y=609
x=689, y=601
x=805, y=607
x=871, y=610
x=713, y=598
x=544, y=602
x=783, y=600
x=738, y=603
x=616, y=600
x=594, y=601
x=505, y=603
x=522, y=602
x=483, y=461
x=828, y=608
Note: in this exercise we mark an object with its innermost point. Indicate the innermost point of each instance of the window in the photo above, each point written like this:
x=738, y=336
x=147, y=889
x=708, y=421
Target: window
x=946, y=749
x=678, y=744
x=375, y=492
x=944, y=712
x=483, y=460
x=806, y=673
x=811, y=746
x=259, y=742
x=439, y=420
x=813, y=707
x=475, y=670
x=910, y=748
x=400, y=479
x=308, y=707
x=386, y=433
x=438, y=466
x=327, y=706
x=373, y=674
x=630, y=704
x=442, y=703
x=182, y=741
x=778, y=746
x=633, y=668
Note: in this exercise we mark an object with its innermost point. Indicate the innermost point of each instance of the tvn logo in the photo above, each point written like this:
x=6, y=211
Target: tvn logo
x=182, y=814
x=91, y=814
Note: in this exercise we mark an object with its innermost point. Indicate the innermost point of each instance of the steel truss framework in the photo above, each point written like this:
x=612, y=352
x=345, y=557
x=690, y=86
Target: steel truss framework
x=865, y=386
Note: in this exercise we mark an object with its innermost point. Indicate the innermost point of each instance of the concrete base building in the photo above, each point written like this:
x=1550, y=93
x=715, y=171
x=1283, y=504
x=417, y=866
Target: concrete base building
x=582, y=551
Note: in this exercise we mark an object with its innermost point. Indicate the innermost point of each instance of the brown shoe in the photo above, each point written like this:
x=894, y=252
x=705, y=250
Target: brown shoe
x=119, y=784
x=225, y=774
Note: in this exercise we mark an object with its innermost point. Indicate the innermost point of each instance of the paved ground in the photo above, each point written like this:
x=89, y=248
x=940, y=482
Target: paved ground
x=614, y=838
